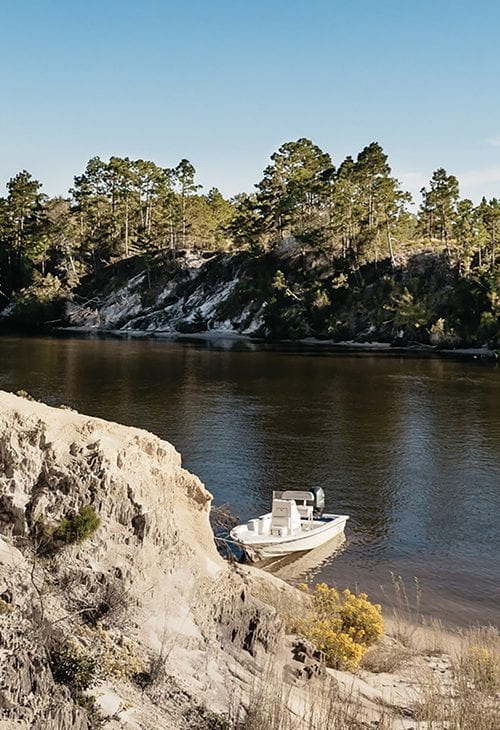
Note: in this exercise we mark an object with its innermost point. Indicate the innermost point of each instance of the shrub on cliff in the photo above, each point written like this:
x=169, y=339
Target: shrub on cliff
x=79, y=527
x=72, y=667
x=341, y=625
x=72, y=530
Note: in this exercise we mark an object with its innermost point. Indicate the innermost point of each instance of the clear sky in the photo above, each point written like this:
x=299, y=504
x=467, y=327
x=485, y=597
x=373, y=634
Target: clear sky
x=226, y=82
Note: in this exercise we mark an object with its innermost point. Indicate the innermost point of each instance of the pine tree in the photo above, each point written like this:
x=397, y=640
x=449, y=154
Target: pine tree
x=293, y=193
x=439, y=205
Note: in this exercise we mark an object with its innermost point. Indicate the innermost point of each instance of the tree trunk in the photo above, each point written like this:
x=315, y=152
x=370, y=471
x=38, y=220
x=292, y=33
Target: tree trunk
x=183, y=221
x=126, y=226
x=389, y=243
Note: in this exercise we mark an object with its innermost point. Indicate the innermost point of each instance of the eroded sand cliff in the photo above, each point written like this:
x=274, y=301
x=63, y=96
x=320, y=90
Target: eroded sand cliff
x=175, y=614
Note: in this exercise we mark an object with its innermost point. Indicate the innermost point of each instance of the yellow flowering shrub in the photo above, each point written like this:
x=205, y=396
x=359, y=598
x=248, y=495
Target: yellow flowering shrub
x=361, y=619
x=341, y=625
x=482, y=667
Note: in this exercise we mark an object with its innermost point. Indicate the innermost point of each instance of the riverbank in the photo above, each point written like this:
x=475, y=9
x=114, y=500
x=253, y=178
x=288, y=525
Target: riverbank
x=293, y=293
x=305, y=344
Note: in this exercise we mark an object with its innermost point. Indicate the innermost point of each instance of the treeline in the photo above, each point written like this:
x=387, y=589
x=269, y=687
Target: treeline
x=359, y=210
x=116, y=209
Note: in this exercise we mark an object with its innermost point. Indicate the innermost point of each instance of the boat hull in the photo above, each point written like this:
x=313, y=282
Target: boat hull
x=259, y=547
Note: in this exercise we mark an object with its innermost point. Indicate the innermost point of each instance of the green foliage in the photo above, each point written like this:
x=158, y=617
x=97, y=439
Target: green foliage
x=279, y=282
x=320, y=298
x=202, y=718
x=442, y=335
x=72, y=530
x=341, y=625
x=39, y=303
x=196, y=324
x=488, y=327
x=72, y=667
x=366, y=205
x=294, y=189
x=439, y=206
x=77, y=528
x=95, y=717
x=340, y=330
x=409, y=313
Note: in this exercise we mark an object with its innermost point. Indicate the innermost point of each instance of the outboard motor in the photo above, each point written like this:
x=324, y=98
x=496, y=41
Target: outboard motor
x=319, y=500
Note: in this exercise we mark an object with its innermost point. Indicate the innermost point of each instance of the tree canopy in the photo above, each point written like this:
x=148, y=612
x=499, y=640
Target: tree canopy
x=355, y=211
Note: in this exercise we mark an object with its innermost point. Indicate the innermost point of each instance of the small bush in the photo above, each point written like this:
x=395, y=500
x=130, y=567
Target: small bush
x=77, y=528
x=111, y=602
x=115, y=655
x=204, y=719
x=73, y=529
x=72, y=667
x=95, y=717
x=479, y=662
x=481, y=666
x=40, y=303
x=361, y=619
x=341, y=625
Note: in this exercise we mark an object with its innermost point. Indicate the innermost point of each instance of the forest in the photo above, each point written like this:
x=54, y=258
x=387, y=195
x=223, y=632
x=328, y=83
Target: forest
x=356, y=215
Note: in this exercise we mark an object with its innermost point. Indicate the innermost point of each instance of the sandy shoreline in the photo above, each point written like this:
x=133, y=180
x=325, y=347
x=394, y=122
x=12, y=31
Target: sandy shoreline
x=314, y=344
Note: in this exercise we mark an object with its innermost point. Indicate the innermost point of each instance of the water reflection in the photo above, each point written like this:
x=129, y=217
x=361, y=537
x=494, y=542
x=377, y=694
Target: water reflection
x=308, y=565
x=409, y=448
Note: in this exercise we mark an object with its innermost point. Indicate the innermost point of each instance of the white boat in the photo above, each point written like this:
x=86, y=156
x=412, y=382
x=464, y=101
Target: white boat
x=296, y=523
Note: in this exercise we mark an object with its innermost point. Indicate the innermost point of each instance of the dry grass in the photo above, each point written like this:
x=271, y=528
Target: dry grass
x=330, y=709
x=386, y=657
x=406, y=616
x=470, y=700
x=433, y=638
x=274, y=705
x=454, y=674
x=479, y=661
x=459, y=692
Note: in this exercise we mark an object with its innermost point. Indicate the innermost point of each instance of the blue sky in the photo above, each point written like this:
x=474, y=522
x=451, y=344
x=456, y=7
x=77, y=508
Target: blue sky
x=226, y=83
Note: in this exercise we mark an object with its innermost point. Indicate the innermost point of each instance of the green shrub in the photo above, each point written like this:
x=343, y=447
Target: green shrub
x=40, y=303
x=72, y=667
x=77, y=528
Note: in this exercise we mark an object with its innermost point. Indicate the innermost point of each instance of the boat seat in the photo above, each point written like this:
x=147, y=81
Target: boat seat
x=305, y=511
x=285, y=517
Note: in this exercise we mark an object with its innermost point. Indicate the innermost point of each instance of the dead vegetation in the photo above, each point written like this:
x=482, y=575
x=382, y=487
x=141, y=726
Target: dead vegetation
x=469, y=696
x=274, y=705
x=451, y=692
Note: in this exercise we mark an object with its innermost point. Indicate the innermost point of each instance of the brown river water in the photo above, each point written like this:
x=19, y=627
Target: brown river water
x=408, y=447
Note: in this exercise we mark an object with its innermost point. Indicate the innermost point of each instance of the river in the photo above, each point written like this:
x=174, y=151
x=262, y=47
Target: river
x=408, y=447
